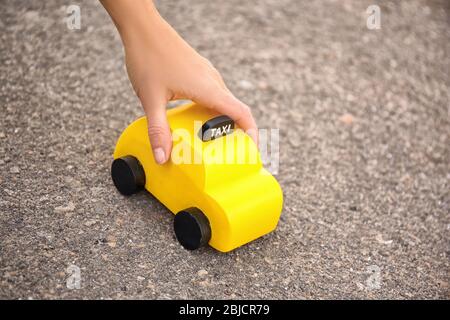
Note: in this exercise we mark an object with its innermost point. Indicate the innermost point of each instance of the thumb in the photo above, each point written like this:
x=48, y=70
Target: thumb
x=158, y=127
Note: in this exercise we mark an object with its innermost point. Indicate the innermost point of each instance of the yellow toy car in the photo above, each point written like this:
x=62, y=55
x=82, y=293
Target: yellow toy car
x=214, y=182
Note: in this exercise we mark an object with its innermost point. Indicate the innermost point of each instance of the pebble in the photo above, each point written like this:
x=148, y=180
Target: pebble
x=380, y=240
x=245, y=84
x=111, y=241
x=90, y=223
x=263, y=85
x=204, y=283
x=14, y=170
x=347, y=118
x=202, y=273
x=61, y=209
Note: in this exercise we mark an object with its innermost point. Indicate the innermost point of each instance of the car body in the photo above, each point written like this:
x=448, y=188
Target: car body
x=241, y=200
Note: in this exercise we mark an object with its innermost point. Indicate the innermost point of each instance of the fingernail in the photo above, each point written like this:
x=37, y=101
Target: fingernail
x=159, y=155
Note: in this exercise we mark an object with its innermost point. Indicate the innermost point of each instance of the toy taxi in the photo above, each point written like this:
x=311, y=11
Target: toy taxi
x=214, y=181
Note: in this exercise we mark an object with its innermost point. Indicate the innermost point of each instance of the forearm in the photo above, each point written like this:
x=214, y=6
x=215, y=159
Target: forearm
x=133, y=17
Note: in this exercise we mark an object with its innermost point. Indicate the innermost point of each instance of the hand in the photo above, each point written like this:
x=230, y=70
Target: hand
x=163, y=67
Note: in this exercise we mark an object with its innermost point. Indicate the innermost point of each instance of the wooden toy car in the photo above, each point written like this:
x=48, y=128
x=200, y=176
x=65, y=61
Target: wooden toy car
x=223, y=197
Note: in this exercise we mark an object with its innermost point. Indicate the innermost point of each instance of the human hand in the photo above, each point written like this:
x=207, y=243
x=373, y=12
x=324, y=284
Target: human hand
x=163, y=67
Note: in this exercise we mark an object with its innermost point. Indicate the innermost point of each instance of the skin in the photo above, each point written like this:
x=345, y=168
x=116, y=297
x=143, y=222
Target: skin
x=162, y=67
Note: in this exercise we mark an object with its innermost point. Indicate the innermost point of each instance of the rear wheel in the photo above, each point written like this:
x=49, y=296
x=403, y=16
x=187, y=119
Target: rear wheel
x=192, y=228
x=128, y=175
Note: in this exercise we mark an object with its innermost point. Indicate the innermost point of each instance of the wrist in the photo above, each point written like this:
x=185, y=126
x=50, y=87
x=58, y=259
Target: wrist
x=135, y=19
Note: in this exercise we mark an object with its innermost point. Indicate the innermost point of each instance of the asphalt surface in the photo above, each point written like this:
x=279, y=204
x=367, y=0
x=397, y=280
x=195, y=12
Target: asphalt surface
x=364, y=120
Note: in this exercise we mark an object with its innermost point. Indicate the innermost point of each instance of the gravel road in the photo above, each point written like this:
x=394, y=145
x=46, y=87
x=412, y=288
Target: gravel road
x=364, y=153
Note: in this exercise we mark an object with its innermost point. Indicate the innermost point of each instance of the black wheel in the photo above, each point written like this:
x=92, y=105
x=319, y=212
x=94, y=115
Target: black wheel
x=128, y=175
x=192, y=228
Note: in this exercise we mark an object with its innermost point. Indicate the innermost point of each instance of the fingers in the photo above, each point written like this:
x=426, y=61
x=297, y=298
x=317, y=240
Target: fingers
x=158, y=127
x=223, y=101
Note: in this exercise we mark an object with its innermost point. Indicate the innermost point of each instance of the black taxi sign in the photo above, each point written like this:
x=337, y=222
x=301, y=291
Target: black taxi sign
x=216, y=127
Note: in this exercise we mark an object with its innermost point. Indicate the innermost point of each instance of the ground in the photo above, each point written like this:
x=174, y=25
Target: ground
x=364, y=153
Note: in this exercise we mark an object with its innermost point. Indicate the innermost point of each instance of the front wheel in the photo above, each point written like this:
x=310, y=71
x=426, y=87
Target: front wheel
x=128, y=175
x=192, y=228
